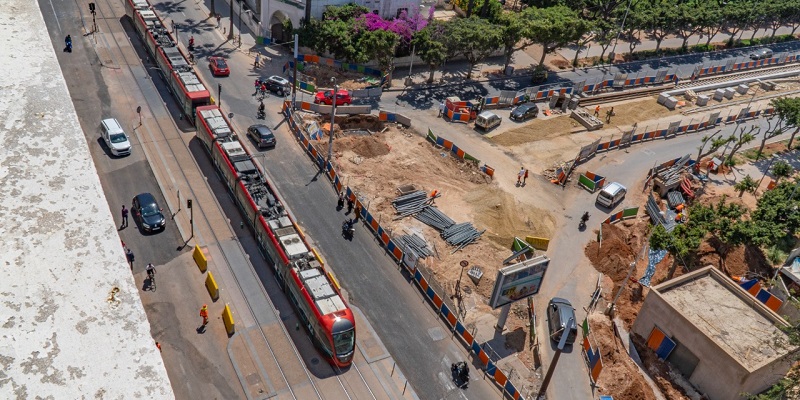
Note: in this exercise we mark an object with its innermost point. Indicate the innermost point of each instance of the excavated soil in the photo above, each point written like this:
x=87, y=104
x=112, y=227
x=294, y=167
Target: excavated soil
x=660, y=371
x=620, y=376
x=322, y=74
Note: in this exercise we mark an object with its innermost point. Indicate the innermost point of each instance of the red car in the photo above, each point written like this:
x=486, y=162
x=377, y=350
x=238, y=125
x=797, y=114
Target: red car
x=218, y=66
x=326, y=97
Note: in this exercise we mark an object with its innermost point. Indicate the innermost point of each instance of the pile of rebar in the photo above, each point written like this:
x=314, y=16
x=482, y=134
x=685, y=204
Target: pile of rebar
x=435, y=218
x=461, y=234
x=410, y=203
x=415, y=245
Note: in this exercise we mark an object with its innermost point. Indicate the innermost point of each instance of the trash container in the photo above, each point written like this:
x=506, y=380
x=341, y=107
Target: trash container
x=509, y=70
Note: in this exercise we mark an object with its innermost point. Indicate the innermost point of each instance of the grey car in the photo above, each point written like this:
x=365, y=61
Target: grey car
x=147, y=214
x=262, y=136
x=524, y=111
x=559, y=312
x=761, y=54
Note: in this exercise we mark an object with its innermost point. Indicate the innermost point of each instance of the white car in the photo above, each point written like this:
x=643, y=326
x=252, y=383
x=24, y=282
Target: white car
x=115, y=138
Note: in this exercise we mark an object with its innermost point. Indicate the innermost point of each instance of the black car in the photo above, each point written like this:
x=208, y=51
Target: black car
x=262, y=135
x=559, y=312
x=147, y=214
x=524, y=111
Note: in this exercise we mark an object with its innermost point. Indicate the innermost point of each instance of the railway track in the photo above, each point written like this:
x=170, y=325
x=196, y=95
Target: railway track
x=121, y=60
x=650, y=91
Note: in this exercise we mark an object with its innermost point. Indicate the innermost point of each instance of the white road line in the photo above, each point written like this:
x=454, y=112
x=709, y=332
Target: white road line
x=55, y=16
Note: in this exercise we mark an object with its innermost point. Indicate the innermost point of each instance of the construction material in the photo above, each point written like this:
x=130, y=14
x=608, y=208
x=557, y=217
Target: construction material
x=435, y=218
x=411, y=203
x=415, y=245
x=461, y=235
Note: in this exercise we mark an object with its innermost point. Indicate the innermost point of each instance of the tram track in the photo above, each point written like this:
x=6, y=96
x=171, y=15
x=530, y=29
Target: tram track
x=121, y=61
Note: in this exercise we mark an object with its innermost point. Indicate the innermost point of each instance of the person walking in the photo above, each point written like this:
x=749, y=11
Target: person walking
x=520, y=175
x=609, y=113
x=158, y=345
x=204, y=314
x=597, y=111
x=129, y=256
x=258, y=60
x=340, y=202
x=124, y=217
x=349, y=205
x=219, y=19
x=525, y=177
x=358, y=213
x=441, y=109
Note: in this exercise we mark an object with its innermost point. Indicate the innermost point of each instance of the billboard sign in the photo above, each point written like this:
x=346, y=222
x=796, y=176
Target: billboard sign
x=518, y=281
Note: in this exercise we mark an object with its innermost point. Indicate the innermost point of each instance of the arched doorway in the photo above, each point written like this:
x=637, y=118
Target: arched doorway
x=280, y=27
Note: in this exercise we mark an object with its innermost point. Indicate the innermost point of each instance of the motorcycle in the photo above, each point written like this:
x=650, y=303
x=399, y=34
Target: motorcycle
x=460, y=372
x=348, y=229
x=261, y=114
x=584, y=218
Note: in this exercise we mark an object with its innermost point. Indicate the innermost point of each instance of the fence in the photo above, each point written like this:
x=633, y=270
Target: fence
x=456, y=326
x=593, y=358
x=742, y=64
x=387, y=116
x=591, y=181
x=457, y=152
x=624, y=214
x=753, y=286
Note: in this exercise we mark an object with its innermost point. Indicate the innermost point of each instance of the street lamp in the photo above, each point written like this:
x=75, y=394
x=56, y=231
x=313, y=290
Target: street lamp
x=241, y=5
x=333, y=119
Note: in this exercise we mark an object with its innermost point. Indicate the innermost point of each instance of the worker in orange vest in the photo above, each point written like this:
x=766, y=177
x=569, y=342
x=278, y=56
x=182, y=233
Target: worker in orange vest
x=204, y=314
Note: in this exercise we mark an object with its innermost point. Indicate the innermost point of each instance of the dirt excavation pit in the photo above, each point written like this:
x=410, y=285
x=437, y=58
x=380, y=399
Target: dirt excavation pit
x=322, y=74
x=376, y=165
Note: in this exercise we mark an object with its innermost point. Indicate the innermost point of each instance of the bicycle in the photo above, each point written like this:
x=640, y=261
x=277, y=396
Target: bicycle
x=151, y=276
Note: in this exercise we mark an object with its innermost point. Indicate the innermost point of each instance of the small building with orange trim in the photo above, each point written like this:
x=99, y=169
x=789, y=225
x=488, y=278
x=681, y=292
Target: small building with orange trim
x=720, y=337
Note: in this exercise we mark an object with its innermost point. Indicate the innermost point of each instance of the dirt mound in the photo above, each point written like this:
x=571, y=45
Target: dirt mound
x=505, y=217
x=367, y=146
x=620, y=376
x=322, y=74
x=660, y=371
x=618, y=249
x=747, y=260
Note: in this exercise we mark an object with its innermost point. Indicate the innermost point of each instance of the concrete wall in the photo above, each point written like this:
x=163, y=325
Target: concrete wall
x=717, y=374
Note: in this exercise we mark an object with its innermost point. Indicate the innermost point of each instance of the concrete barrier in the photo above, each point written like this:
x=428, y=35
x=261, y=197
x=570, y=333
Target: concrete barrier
x=212, y=287
x=200, y=259
x=227, y=319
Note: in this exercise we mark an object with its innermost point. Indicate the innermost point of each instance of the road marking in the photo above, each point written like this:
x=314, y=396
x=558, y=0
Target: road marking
x=56, y=16
x=648, y=152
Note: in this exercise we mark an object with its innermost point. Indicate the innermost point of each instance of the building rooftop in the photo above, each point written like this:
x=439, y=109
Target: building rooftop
x=735, y=320
x=72, y=324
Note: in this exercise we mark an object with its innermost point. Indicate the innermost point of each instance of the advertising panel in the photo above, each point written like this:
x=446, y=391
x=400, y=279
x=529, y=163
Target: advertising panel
x=518, y=281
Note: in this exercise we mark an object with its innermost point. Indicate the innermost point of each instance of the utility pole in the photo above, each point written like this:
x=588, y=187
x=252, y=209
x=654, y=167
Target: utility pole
x=294, y=70
x=230, y=28
x=94, y=14
x=191, y=215
x=333, y=119
x=561, y=343
x=219, y=95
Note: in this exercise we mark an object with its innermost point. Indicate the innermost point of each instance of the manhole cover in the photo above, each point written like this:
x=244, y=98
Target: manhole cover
x=315, y=361
x=436, y=334
x=252, y=379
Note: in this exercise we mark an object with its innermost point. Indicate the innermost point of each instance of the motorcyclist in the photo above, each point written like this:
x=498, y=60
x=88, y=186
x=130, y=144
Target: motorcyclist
x=68, y=43
x=585, y=217
x=261, y=112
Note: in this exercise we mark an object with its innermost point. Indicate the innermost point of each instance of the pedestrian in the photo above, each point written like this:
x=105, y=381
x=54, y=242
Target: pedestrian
x=158, y=345
x=263, y=88
x=129, y=256
x=68, y=44
x=434, y=195
x=520, y=175
x=525, y=177
x=609, y=113
x=340, y=202
x=258, y=60
x=358, y=213
x=191, y=43
x=349, y=205
x=204, y=314
x=219, y=18
x=257, y=85
x=441, y=109
x=597, y=111
x=124, y=217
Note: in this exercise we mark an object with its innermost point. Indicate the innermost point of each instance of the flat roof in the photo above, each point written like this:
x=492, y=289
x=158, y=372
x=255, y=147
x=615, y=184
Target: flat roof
x=732, y=318
x=72, y=324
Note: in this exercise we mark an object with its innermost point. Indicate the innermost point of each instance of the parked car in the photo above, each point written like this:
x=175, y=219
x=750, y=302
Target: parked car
x=147, y=214
x=278, y=85
x=262, y=136
x=611, y=194
x=761, y=54
x=487, y=120
x=524, y=111
x=559, y=312
x=218, y=66
x=115, y=137
x=326, y=97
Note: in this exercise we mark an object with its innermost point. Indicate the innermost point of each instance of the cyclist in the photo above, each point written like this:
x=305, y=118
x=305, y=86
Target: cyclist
x=151, y=271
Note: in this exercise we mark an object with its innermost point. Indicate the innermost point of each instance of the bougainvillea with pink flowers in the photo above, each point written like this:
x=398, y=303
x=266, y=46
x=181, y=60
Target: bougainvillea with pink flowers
x=404, y=26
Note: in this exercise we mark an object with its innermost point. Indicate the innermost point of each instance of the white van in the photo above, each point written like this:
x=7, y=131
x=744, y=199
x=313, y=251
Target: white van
x=487, y=120
x=611, y=195
x=115, y=138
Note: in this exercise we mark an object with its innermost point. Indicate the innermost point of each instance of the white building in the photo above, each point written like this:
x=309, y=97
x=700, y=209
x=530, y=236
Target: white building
x=274, y=14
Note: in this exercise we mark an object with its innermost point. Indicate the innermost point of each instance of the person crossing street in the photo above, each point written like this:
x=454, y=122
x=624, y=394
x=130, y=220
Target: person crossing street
x=204, y=314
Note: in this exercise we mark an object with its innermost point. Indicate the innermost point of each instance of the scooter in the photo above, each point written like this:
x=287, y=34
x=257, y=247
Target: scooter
x=460, y=373
x=584, y=218
x=348, y=229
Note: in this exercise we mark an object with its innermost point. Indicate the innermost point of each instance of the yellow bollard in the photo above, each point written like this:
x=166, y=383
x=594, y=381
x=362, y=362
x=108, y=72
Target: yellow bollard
x=211, y=285
x=227, y=319
x=200, y=259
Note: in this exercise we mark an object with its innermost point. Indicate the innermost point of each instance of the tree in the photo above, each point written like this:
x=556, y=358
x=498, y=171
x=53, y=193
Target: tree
x=345, y=12
x=724, y=222
x=585, y=39
x=380, y=45
x=682, y=243
x=716, y=144
x=212, y=9
x=687, y=23
x=431, y=47
x=770, y=133
x=661, y=18
x=634, y=24
x=605, y=34
x=230, y=28
x=747, y=184
x=516, y=33
x=711, y=21
x=475, y=38
x=781, y=169
x=740, y=140
x=779, y=13
x=337, y=37
x=735, y=14
x=555, y=27
x=777, y=215
x=788, y=110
